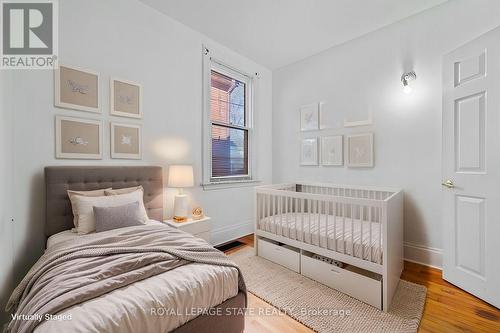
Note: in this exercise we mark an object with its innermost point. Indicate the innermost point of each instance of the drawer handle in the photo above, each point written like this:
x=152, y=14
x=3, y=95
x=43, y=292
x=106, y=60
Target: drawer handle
x=334, y=271
x=278, y=249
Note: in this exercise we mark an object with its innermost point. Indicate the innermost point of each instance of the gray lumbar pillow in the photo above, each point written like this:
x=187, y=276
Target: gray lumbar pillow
x=108, y=218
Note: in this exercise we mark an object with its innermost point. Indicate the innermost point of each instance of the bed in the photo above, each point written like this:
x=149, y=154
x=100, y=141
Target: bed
x=168, y=299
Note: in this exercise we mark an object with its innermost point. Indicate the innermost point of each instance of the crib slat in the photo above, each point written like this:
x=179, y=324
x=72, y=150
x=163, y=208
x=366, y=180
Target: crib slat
x=326, y=206
x=286, y=216
x=318, y=212
x=370, y=221
x=335, y=225
x=297, y=211
x=309, y=208
x=343, y=227
x=302, y=203
x=352, y=230
x=275, y=214
x=280, y=209
x=268, y=224
x=379, y=260
x=361, y=215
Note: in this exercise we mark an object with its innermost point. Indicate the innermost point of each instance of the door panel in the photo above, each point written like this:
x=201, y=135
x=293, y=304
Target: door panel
x=470, y=231
x=470, y=69
x=470, y=132
x=471, y=167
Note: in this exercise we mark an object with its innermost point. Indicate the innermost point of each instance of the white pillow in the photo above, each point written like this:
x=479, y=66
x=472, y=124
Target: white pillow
x=85, y=208
x=94, y=193
x=117, y=191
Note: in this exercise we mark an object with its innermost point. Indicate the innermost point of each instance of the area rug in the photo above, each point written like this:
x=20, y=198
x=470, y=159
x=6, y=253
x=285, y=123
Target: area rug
x=324, y=309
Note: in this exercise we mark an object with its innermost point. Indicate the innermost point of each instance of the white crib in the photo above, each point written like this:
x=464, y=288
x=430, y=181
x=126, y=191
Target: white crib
x=360, y=227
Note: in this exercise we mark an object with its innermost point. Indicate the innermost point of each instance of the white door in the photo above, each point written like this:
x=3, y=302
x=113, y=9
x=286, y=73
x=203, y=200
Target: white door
x=471, y=167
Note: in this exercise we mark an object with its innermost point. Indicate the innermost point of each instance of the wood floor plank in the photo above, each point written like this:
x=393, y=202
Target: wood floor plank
x=447, y=308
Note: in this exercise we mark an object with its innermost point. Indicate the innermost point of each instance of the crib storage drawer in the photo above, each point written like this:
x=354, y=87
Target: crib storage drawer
x=282, y=255
x=365, y=288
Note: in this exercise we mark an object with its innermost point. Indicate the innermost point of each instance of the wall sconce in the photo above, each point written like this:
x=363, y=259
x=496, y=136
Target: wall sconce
x=406, y=78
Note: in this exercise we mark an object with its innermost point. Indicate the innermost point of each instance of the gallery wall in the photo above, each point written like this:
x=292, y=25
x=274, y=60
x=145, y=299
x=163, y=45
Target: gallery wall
x=364, y=75
x=129, y=40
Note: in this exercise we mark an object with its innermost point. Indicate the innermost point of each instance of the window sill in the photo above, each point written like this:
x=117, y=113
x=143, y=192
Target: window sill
x=229, y=184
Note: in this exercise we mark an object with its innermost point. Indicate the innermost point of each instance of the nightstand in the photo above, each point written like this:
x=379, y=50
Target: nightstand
x=198, y=228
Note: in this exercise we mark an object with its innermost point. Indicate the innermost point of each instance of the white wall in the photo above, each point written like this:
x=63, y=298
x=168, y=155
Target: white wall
x=5, y=194
x=130, y=40
x=365, y=74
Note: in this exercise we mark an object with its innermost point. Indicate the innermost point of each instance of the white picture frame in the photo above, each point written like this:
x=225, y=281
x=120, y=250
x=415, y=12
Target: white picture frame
x=114, y=107
x=309, y=152
x=360, y=150
x=309, y=117
x=66, y=83
x=329, y=118
x=131, y=136
x=332, y=150
x=80, y=128
x=362, y=122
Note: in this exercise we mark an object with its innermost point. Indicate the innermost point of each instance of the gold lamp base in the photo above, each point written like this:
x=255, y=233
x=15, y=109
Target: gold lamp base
x=180, y=219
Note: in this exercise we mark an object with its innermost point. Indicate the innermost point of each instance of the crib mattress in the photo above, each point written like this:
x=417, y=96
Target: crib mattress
x=349, y=236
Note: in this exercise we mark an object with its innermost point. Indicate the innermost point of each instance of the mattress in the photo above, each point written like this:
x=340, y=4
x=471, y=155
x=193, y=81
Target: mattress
x=157, y=304
x=351, y=236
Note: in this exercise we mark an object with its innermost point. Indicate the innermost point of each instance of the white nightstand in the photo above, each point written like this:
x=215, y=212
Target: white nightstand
x=198, y=228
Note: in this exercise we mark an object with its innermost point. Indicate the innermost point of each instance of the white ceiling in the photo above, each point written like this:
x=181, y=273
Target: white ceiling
x=275, y=33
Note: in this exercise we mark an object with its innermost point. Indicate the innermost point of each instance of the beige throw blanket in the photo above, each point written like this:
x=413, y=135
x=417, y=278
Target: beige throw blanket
x=73, y=272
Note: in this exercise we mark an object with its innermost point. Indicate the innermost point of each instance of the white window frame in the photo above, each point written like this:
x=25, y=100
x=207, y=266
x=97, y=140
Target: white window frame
x=210, y=63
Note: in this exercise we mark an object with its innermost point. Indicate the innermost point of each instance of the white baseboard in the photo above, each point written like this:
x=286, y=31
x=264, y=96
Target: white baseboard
x=232, y=232
x=424, y=255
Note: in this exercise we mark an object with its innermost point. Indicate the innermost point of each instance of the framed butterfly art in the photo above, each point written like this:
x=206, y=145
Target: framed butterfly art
x=77, y=89
x=309, y=117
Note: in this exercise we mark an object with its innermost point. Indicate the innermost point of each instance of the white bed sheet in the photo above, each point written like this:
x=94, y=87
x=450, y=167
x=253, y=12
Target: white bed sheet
x=157, y=304
x=72, y=234
x=290, y=226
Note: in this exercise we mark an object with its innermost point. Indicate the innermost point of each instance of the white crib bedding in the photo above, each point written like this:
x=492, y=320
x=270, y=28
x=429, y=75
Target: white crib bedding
x=289, y=225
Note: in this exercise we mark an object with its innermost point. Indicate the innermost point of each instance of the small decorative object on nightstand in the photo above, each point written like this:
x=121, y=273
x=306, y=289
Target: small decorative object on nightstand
x=181, y=176
x=198, y=228
x=198, y=213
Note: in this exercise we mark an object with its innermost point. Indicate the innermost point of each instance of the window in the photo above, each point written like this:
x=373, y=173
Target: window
x=228, y=118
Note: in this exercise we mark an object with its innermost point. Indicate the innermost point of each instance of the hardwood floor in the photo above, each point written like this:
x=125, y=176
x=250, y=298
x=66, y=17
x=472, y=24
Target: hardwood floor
x=447, y=308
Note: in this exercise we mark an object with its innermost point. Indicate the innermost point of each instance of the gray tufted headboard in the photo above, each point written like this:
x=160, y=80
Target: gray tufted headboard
x=58, y=215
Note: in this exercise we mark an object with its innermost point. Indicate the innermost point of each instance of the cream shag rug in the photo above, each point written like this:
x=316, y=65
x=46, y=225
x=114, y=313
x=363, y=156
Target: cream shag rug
x=324, y=309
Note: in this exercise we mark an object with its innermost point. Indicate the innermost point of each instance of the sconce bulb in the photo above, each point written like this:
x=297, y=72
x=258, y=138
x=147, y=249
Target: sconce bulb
x=407, y=89
x=406, y=78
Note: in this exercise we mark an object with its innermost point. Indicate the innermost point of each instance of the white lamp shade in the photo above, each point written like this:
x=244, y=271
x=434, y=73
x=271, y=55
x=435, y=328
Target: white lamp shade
x=180, y=176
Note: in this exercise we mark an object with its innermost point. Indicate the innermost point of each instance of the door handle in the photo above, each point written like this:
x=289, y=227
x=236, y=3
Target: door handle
x=448, y=183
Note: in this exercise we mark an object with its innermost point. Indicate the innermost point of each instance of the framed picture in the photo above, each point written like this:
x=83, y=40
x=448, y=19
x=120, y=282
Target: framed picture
x=78, y=138
x=332, y=150
x=309, y=152
x=368, y=120
x=76, y=89
x=360, y=150
x=126, y=141
x=309, y=117
x=329, y=118
x=126, y=98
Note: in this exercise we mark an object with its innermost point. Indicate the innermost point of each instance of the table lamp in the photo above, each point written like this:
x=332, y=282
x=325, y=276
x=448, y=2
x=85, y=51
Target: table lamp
x=180, y=176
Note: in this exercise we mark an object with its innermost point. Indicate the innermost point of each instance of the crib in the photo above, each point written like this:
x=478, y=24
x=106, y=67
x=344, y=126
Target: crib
x=358, y=229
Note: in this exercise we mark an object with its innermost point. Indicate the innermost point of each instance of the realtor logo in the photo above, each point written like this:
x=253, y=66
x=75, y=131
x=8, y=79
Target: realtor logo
x=29, y=34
